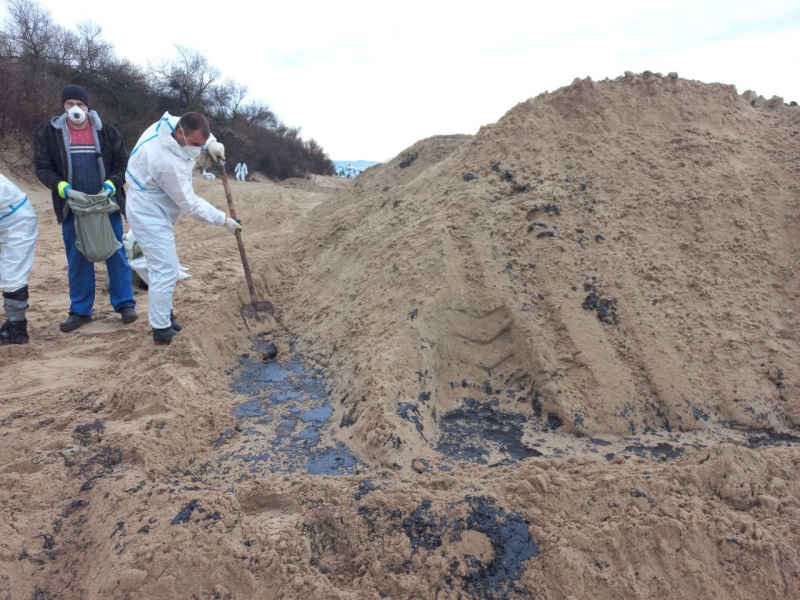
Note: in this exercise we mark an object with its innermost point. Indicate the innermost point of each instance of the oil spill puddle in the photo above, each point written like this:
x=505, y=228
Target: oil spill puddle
x=486, y=550
x=664, y=449
x=477, y=430
x=493, y=431
x=758, y=439
x=284, y=423
x=512, y=545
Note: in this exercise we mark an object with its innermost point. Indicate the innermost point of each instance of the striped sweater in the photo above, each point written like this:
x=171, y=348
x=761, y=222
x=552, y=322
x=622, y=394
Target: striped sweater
x=86, y=176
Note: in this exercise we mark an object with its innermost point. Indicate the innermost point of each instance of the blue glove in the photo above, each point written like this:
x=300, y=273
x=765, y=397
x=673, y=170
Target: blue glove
x=110, y=187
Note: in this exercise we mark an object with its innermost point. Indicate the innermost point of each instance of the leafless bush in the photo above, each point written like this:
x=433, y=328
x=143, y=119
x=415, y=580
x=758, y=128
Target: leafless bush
x=38, y=57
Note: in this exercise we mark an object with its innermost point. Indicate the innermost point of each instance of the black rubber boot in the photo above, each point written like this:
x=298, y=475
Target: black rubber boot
x=172, y=322
x=163, y=337
x=74, y=321
x=128, y=314
x=14, y=332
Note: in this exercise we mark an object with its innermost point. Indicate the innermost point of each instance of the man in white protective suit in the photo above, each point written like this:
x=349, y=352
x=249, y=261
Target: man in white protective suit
x=159, y=178
x=19, y=227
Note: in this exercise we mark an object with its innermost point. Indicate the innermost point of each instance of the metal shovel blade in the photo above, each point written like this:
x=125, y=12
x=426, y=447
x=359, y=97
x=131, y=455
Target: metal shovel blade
x=257, y=311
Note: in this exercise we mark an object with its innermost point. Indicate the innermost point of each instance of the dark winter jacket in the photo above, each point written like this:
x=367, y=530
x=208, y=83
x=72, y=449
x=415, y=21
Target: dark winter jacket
x=53, y=163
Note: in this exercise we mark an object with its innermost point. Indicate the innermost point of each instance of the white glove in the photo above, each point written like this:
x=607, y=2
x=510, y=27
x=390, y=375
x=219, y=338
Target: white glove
x=216, y=150
x=232, y=225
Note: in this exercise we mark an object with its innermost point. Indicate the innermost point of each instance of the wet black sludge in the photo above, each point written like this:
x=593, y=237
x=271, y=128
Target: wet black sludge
x=284, y=424
x=759, y=439
x=512, y=543
x=471, y=431
x=662, y=449
x=186, y=512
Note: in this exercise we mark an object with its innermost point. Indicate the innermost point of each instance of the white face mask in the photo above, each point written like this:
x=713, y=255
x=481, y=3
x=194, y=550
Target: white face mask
x=192, y=151
x=76, y=114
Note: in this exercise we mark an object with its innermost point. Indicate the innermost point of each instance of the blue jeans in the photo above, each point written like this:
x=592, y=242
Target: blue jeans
x=81, y=271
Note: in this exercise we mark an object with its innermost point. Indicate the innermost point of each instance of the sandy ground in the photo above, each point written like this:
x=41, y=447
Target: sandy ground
x=556, y=359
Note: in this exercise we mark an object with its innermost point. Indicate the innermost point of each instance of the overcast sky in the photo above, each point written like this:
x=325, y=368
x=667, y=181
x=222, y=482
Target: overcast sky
x=368, y=79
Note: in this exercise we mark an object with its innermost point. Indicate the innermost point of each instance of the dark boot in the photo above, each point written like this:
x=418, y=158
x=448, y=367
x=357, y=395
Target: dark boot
x=14, y=332
x=128, y=314
x=172, y=323
x=74, y=321
x=163, y=337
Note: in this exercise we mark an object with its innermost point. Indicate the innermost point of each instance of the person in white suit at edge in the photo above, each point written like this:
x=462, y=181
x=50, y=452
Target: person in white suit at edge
x=159, y=178
x=19, y=227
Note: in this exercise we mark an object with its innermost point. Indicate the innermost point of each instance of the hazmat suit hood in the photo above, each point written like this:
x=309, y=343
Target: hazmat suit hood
x=163, y=130
x=160, y=170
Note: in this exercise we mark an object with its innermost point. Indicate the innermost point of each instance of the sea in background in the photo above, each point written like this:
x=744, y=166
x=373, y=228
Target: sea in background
x=358, y=165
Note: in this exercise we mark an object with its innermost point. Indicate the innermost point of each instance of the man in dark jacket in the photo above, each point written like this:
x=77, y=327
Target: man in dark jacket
x=77, y=151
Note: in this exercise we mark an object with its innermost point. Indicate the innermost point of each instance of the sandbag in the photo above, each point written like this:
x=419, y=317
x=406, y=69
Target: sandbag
x=95, y=236
x=139, y=268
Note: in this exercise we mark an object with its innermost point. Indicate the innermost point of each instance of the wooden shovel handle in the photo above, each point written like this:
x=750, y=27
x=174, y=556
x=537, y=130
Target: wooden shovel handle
x=239, y=241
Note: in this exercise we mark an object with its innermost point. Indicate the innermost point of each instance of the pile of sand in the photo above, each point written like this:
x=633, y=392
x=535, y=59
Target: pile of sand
x=562, y=354
x=622, y=254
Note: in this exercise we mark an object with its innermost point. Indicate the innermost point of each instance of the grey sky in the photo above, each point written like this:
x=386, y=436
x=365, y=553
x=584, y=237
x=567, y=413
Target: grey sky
x=367, y=79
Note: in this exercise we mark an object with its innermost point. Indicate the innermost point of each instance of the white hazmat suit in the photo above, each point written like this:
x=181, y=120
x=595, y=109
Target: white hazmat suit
x=19, y=227
x=159, y=178
x=241, y=171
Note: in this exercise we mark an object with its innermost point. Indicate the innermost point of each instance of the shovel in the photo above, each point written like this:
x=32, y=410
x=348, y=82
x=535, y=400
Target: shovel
x=257, y=310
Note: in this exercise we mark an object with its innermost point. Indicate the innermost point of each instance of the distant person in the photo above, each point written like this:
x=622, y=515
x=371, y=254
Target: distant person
x=160, y=180
x=206, y=175
x=241, y=171
x=18, y=230
x=77, y=151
